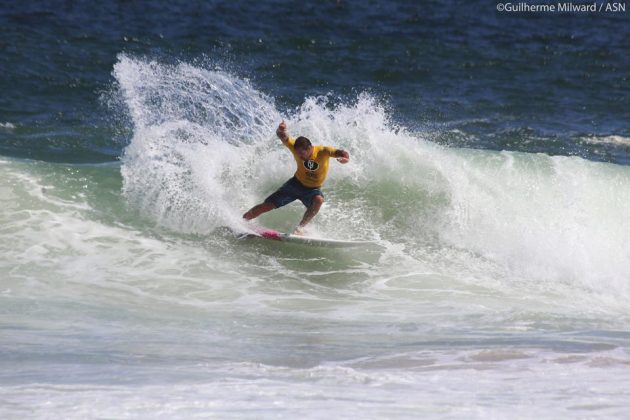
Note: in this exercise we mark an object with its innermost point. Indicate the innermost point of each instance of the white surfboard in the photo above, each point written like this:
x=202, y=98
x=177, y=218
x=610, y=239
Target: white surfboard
x=274, y=235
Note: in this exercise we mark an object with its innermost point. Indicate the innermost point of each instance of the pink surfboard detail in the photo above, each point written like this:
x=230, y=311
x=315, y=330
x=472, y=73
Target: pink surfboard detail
x=270, y=234
x=266, y=233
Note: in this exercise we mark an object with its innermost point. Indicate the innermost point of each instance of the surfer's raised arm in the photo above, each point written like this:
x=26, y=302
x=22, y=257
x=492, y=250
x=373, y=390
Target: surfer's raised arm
x=281, y=132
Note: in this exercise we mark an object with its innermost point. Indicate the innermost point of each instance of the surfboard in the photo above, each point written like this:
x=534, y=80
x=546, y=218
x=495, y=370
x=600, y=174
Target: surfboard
x=274, y=235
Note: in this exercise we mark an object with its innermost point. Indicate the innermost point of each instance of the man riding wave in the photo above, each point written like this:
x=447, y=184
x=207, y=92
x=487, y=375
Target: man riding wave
x=312, y=169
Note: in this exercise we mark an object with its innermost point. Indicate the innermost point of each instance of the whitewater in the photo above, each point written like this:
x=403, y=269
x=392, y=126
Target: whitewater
x=499, y=286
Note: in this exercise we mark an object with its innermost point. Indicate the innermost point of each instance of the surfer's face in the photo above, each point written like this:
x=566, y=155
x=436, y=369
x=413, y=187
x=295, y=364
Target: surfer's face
x=304, y=153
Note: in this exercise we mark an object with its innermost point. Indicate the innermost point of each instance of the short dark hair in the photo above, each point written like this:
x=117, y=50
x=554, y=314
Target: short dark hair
x=302, y=143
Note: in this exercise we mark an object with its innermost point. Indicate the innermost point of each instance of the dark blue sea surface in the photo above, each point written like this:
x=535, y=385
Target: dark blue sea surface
x=459, y=73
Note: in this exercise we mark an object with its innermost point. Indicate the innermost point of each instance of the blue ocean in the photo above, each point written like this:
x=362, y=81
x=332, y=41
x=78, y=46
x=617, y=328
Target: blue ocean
x=490, y=169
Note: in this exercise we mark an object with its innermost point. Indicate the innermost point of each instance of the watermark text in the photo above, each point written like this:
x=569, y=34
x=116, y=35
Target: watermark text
x=562, y=7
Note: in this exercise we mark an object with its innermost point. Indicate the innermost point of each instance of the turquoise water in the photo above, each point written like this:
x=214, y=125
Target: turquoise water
x=499, y=284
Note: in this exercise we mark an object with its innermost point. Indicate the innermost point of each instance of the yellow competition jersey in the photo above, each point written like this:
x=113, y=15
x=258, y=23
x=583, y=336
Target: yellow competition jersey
x=312, y=172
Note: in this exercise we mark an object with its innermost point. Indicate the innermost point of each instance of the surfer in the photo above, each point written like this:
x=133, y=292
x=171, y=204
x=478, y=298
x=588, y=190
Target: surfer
x=312, y=168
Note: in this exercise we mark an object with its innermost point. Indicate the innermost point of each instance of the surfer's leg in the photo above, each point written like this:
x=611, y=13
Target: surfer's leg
x=259, y=209
x=311, y=211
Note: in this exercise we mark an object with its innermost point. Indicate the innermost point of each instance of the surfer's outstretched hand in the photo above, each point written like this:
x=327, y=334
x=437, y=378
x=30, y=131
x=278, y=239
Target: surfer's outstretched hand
x=342, y=156
x=281, y=132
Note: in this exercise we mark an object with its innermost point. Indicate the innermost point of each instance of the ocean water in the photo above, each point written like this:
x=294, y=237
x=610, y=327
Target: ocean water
x=489, y=165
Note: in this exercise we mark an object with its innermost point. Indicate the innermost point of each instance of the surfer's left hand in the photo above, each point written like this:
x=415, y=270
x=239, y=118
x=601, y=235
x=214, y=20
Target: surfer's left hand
x=342, y=160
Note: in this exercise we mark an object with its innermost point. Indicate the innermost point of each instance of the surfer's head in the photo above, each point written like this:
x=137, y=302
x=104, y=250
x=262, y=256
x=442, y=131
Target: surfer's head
x=303, y=147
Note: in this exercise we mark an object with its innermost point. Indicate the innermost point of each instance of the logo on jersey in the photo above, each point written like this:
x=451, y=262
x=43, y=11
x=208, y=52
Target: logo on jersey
x=311, y=165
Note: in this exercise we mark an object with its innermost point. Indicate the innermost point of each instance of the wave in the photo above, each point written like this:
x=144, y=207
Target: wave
x=195, y=133
x=7, y=126
x=204, y=150
x=612, y=140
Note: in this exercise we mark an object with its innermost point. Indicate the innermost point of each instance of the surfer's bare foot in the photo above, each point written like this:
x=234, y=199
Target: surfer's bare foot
x=299, y=231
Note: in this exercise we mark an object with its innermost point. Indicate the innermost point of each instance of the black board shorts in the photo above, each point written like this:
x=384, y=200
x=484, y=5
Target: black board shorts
x=293, y=190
